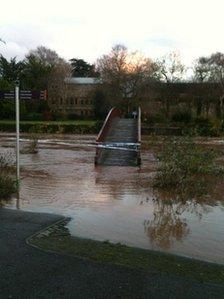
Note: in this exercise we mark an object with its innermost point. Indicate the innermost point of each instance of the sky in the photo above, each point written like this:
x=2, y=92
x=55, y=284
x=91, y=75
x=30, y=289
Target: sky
x=88, y=29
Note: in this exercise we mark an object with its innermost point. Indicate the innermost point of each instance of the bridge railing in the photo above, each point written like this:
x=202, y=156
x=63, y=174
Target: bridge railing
x=139, y=124
x=114, y=112
x=139, y=135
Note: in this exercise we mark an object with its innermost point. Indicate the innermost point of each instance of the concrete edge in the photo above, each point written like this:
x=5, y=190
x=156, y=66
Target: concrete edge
x=28, y=239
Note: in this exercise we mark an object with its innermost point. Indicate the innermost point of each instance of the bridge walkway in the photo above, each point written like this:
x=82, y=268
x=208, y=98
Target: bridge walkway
x=120, y=144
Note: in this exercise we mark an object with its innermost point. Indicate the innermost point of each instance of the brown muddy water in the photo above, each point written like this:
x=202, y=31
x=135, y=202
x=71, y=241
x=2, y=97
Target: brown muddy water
x=117, y=203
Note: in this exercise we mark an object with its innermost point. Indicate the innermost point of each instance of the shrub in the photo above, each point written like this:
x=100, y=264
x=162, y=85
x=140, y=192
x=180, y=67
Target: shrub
x=158, y=118
x=207, y=126
x=203, y=126
x=7, y=109
x=6, y=161
x=32, y=148
x=8, y=186
x=33, y=116
x=181, y=160
x=53, y=128
x=182, y=116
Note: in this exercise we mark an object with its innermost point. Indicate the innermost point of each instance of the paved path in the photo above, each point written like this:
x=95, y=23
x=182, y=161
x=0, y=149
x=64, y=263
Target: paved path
x=26, y=272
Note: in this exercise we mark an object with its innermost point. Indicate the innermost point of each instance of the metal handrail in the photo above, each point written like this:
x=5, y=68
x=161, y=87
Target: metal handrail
x=139, y=125
x=114, y=112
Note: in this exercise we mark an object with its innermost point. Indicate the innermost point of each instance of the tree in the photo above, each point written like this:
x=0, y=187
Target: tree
x=201, y=70
x=10, y=70
x=36, y=74
x=5, y=85
x=100, y=105
x=57, y=85
x=45, y=55
x=80, y=68
x=216, y=64
x=211, y=69
x=123, y=74
x=170, y=69
x=45, y=69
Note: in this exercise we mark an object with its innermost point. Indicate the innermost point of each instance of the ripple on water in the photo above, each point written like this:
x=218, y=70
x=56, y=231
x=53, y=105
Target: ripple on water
x=117, y=203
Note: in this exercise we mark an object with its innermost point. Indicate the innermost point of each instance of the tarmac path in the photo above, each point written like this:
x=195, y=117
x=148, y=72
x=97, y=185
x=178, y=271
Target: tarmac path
x=27, y=272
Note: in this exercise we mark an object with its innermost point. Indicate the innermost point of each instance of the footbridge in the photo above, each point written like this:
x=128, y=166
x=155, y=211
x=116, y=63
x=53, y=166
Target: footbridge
x=119, y=140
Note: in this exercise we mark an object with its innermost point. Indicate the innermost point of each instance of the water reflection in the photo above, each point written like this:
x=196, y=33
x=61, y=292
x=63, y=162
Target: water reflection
x=118, y=203
x=18, y=204
x=118, y=181
x=168, y=224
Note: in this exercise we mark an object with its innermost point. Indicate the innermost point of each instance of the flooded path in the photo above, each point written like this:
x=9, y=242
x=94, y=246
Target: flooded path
x=117, y=203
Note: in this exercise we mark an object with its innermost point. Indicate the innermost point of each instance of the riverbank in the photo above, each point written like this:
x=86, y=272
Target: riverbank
x=27, y=272
x=57, y=238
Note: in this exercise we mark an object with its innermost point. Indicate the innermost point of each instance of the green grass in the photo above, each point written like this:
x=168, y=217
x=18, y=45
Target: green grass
x=56, y=122
x=57, y=239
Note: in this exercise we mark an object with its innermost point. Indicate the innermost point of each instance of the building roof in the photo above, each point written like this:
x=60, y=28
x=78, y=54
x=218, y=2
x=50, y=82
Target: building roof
x=83, y=80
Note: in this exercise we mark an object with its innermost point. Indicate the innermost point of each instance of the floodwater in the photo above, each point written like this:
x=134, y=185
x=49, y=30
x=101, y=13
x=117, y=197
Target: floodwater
x=117, y=203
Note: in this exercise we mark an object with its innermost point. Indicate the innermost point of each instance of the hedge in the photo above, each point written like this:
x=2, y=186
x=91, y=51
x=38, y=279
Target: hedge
x=53, y=128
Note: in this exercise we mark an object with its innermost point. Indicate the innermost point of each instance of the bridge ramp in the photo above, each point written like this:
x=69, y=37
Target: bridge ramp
x=122, y=131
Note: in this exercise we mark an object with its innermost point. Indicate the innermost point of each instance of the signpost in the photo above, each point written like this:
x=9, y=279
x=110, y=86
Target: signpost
x=17, y=132
x=18, y=95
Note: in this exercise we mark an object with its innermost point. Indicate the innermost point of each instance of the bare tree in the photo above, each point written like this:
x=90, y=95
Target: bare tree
x=57, y=86
x=123, y=74
x=211, y=69
x=201, y=70
x=170, y=69
x=216, y=64
x=45, y=55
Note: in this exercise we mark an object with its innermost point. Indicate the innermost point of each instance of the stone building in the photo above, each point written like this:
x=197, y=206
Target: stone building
x=202, y=98
x=75, y=97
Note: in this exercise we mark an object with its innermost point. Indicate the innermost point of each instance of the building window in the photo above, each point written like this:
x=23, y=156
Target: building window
x=71, y=101
x=76, y=101
x=61, y=101
x=82, y=102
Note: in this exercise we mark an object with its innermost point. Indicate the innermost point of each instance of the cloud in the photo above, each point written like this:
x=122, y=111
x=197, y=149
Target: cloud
x=19, y=40
x=88, y=29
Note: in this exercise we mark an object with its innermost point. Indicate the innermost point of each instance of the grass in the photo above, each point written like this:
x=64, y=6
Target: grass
x=56, y=122
x=57, y=239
